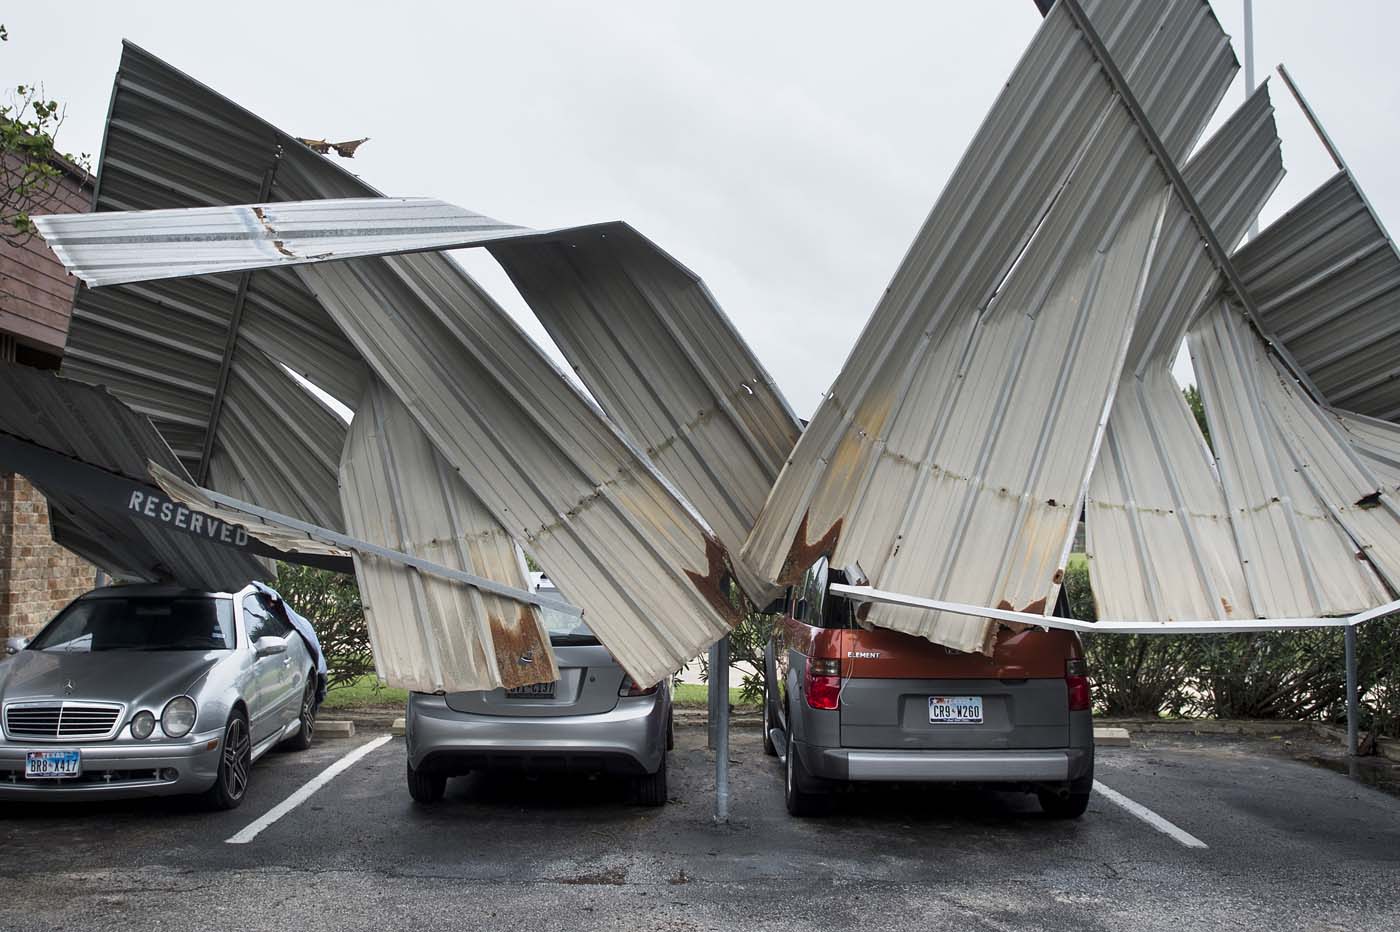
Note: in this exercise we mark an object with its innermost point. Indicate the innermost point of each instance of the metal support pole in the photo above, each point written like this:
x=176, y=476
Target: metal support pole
x=719, y=687
x=1249, y=77
x=1352, y=723
x=711, y=697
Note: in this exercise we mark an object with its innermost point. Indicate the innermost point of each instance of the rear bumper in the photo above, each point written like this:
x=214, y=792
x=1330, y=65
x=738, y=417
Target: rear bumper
x=629, y=739
x=118, y=770
x=997, y=766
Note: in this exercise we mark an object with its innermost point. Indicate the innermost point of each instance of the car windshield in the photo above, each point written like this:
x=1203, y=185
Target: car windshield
x=92, y=625
x=563, y=628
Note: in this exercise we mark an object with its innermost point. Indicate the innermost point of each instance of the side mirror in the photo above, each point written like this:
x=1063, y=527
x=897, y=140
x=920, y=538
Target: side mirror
x=15, y=645
x=269, y=645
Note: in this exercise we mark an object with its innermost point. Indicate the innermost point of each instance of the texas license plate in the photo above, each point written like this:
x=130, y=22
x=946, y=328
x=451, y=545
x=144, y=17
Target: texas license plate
x=53, y=763
x=533, y=691
x=955, y=710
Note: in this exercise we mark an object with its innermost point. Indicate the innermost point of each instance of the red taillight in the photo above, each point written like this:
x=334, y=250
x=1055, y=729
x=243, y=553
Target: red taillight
x=1077, y=678
x=823, y=683
x=629, y=687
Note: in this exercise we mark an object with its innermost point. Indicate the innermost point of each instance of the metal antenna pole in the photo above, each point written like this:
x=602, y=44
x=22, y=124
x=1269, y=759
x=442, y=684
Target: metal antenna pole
x=1249, y=76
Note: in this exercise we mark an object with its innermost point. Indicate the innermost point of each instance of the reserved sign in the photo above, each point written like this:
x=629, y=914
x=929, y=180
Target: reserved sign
x=162, y=509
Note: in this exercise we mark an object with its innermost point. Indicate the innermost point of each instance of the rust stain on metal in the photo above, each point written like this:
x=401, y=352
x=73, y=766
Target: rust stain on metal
x=1059, y=576
x=1225, y=604
x=1035, y=608
x=516, y=641
x=803, y=554
x=711, y=583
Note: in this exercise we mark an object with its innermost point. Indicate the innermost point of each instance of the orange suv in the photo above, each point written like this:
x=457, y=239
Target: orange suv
x=845, y=703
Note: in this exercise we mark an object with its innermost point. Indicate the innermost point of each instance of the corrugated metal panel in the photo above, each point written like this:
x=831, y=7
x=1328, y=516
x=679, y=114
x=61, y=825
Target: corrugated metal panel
x=653, y=347
x=171, y=143
x=87, y=424
x=280, y=444
x=540, y=456
x=1377, y=442
x=429, y=634
x=641, y=331
x=562, y=479
x=1154, y=500
x=1326, y=280
x=1287, y=480
x=103, y=250
x=951, y=455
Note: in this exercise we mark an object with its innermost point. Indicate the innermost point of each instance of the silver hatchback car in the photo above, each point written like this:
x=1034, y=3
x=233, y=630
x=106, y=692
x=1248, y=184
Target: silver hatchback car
x=148, y=690
x=594, y=718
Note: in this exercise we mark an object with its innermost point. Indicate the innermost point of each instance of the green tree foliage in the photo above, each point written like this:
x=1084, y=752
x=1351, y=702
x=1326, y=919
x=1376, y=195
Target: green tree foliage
x=1193, y=401
x=29, y=171
x=331, y=602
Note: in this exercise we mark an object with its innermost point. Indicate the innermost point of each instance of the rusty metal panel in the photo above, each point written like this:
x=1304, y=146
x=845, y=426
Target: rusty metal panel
x=952, y=454
x=1154, y=499
x=1292, y=489
x=428, y=633
x=563, y=480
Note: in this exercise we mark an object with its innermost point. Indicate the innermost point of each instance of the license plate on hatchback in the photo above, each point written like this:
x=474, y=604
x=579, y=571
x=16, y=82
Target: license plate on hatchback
x=53, y=764
x=533, y=691
x=955, y=710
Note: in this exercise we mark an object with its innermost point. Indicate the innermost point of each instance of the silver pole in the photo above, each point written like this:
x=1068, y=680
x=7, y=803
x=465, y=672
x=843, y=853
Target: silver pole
x=1352, y=711
x=711, y=697
x=719, y=684
x=1249, y=76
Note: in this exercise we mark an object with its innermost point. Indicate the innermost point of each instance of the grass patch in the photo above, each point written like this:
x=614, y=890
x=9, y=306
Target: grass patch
x=1077, y=561
x=696, y=696
x=365, y=693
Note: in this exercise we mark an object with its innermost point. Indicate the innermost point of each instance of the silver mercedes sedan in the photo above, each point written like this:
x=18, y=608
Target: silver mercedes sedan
x=145, y=690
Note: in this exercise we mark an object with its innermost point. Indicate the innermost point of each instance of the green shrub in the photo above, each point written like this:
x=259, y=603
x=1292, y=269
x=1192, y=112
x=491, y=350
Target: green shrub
x=331, y=602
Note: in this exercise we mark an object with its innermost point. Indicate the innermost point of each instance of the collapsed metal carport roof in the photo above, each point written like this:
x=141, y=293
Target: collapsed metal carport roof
x=1065, y=275
x=549, y=468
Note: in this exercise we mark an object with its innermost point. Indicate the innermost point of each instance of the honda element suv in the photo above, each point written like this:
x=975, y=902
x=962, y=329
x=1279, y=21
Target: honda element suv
x=845, y=703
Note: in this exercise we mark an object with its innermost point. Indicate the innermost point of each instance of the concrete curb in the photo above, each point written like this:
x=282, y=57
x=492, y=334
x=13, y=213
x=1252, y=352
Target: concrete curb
x=335, y=728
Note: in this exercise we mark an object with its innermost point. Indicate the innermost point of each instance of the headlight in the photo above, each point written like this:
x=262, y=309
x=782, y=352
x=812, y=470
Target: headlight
x=178, y=717
x=142, y=724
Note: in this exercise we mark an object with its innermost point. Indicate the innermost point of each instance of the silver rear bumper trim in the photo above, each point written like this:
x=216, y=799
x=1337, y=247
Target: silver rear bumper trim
x=944, y=766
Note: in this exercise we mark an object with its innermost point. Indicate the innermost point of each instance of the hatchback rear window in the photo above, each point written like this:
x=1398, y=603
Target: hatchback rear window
x=92, y=625
x=563, y=628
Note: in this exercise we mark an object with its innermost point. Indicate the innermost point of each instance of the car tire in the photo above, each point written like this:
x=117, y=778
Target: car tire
x=425, y=786
x=235, y=763
x=801, y=790
x=1070, y=805
x=650, y=789
x=302, y=739
x=769, y=748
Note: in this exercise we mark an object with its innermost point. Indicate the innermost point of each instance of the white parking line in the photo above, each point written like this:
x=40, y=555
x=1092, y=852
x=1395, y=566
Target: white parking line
x=302, y=795
x=1148, y=816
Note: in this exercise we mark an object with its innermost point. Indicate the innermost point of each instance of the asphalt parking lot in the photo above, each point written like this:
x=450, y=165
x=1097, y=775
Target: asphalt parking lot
x=1288, y=846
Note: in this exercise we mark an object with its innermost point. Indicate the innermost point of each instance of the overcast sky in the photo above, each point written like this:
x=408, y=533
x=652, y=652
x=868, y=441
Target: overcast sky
x=785, y=152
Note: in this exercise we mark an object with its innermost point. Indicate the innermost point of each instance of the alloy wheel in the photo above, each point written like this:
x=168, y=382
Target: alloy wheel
x=238, y=756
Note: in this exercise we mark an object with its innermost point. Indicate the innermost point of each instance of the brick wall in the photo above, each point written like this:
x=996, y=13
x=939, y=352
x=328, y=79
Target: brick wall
x=37, y=576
